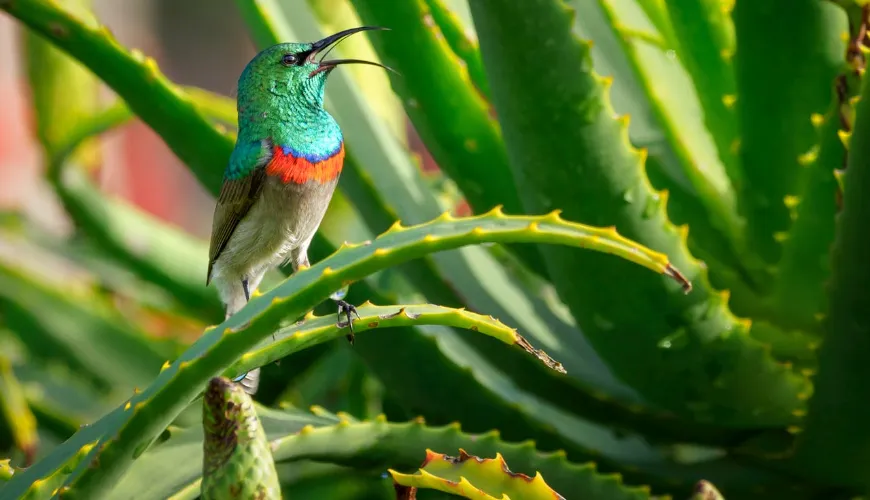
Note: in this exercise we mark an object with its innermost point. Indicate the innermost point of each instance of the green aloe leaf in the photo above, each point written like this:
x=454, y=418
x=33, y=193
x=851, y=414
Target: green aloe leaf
x=237, y=460
x=16, y=412
x=53, y=77
x=800, y=292
x=298, y=336
x=447, y=111
x=463, y=45
x=778, y=92
x=135, y=78
x=147, y=413
x=684, y=336
x=706, y=47
x=836, y=445
x=159, y=254
x=474, y=477
x=82, y=328
x=677, y=110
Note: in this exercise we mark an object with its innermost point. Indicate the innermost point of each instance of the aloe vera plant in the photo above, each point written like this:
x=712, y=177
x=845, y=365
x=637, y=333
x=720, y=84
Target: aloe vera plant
x=733, y=366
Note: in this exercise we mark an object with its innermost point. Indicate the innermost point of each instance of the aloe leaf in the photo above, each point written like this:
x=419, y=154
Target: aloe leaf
x=683, y=334
x=291, y=339
x=297, y=435
x=237, y=461
x=53, y=78
x=136, y=78
x=836, y=444
x=460, y=42
x=476, y=478
x=800, y=293
x=675, y=108
x=16, y=412
x=128, y=430
x=81, y=325
x=449, y=114
x=657, y=12
x=706, y=48
x=778, y=91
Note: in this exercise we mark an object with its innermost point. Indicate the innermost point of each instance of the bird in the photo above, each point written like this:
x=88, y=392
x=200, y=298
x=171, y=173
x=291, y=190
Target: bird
x=281, y=175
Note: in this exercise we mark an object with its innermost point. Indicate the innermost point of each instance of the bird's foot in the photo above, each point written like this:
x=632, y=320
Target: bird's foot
x=348, y=310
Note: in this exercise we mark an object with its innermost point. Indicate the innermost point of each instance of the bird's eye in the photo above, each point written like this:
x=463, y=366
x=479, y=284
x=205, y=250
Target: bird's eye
x=288, y=60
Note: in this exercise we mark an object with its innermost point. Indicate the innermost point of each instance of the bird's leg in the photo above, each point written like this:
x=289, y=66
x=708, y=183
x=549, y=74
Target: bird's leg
x=245, y=288
x=347, y=309
x=344, y=308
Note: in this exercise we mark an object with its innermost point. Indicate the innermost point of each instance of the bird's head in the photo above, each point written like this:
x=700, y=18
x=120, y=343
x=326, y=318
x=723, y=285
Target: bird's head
x=295, y=72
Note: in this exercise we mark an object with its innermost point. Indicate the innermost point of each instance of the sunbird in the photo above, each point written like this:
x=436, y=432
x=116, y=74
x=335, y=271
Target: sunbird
x=281, y=175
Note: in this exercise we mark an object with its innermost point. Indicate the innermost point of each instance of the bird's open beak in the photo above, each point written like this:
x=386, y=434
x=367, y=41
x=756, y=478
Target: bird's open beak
x=330, y=42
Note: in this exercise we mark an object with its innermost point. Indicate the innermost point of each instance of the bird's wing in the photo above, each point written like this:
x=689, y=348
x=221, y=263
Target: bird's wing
x=238, y=193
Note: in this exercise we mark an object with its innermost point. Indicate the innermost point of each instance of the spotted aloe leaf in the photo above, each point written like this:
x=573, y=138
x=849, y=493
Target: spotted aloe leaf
x=561, y=129
x=472, y=477
x=237, y=461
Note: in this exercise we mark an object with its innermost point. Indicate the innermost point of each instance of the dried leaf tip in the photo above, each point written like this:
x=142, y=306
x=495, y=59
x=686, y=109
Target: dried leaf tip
x=673, y=272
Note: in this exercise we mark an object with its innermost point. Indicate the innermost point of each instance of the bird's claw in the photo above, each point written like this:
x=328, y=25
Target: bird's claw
x=348, y=310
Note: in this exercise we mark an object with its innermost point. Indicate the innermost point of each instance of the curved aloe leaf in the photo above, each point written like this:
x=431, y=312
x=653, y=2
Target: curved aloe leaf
x=127, y=431
x=476, y=478
x=237, y=460
x=16, y=412
x=464, y=46
x=136, y=78
x=555, y=136
x=836, y=444
x=778, y=91
x=447, y=111
x=301, y=335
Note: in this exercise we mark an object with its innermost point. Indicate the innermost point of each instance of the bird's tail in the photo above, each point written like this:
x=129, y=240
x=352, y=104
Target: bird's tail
x=249, y=381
